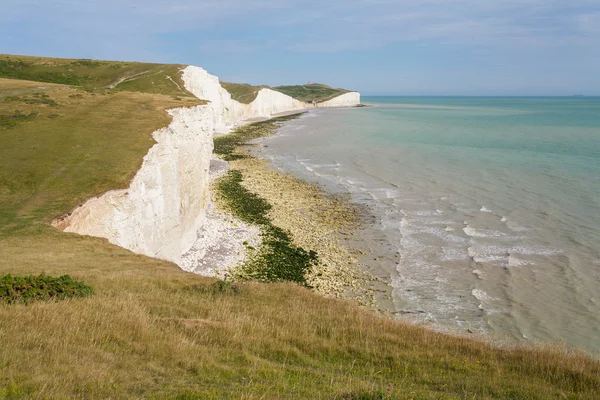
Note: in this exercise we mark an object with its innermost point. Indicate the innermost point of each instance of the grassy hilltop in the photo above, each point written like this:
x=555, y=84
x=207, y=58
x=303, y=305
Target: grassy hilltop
x=312, y=92
x=72, y=129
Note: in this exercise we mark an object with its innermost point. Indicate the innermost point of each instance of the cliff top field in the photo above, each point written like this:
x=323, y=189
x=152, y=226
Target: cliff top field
x=242, y=92
x=151, y=330
x=313, y=92
x=94, y=74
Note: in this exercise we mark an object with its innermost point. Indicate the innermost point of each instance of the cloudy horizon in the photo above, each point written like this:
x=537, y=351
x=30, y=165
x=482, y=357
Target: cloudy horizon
x=455, y=47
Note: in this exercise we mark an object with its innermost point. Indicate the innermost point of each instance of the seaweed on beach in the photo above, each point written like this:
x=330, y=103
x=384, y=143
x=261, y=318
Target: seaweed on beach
x=225, y=146
x=278, y=259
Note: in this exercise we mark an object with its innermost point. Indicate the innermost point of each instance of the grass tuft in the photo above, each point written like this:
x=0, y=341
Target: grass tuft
x=8, y=121
x=217, y=288
x=27, y=289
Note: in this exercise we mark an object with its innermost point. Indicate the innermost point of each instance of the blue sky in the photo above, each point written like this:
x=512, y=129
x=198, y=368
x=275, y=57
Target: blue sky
x=445, y=47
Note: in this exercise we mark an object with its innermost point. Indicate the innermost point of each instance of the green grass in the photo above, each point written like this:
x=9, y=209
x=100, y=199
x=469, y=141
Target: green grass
x=27, y=289
x=95, y=75
x=242, y=92
x=314, y=92
x=54, y=157
x=11, y=120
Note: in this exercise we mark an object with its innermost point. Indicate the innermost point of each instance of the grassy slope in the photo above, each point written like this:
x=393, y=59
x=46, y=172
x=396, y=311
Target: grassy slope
x=93, y=74
x=242, y=92
x=152, y=330
x=245, y=93
x=84, y=145
x=312, y=92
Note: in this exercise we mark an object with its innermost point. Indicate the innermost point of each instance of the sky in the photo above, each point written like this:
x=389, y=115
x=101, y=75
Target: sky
x=378, y=47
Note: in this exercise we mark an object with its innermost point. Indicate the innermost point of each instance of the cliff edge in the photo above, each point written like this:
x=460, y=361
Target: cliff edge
x=163, y=213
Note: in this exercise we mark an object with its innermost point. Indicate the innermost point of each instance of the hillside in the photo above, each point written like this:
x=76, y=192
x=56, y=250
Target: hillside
x=152, y=330
x=96, y=75
x=242, y=92
x=313, y=92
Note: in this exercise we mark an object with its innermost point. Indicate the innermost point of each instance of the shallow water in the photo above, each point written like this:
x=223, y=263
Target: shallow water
x=487, y=209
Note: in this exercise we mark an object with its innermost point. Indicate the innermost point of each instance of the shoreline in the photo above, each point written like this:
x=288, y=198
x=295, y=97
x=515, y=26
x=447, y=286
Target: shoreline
x=316, y=220
x=332, y=224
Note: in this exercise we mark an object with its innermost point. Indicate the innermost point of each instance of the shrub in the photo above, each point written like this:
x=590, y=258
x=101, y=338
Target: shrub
x=8, y=121
x=27, y=289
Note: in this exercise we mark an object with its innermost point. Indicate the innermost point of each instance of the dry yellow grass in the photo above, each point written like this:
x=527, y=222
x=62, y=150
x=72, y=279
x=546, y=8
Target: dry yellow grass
x=153, y=331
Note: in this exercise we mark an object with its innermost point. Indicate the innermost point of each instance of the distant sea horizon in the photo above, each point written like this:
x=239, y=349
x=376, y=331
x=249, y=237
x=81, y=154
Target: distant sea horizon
x=479, y=96
x=487, y=208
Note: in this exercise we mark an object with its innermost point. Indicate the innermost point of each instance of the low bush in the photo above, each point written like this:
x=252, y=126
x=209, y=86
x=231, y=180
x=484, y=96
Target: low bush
x=8, y=121
x=27, y=289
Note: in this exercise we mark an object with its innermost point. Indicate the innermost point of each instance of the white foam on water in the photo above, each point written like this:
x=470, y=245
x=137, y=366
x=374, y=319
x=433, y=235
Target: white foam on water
x=392, y=193
x=490, y=254
x=517, y=228
x=503, y=219
x=454, y=254
x=481, y=295
x=517, y=262
x=423, y=221
x=424, y=213
x=484, y=209
x=488, y=233
x=536, y=250
x=449, y=229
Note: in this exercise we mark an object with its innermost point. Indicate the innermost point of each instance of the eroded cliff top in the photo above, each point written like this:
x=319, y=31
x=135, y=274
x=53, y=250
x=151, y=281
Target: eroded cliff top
x=312, y=92
x=97, y=74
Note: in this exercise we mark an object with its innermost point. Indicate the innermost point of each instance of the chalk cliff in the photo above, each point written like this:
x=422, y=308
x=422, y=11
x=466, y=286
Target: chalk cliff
x=159, y=214
x=349, y=99
x=163, y=213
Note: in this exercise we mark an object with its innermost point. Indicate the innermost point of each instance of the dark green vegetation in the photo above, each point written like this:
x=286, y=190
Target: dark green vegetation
x=93, y=75
x=11, y=120
x=27, y=289
x=314, y=92
x=278, y=259
x=226, y=145
x=35, y=98
x=152, y=330
x=242, y=92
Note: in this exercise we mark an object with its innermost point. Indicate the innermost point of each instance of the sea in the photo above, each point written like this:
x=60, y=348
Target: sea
x=484, y=212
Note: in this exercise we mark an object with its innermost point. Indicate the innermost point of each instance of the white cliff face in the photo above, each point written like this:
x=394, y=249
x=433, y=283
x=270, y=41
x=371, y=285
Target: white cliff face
x=229, y=112
x=159, y=214
x=163, y=213
x=349, y=99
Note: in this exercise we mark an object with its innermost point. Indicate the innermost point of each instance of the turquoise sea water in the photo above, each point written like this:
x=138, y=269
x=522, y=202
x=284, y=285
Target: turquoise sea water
x=487, y=210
